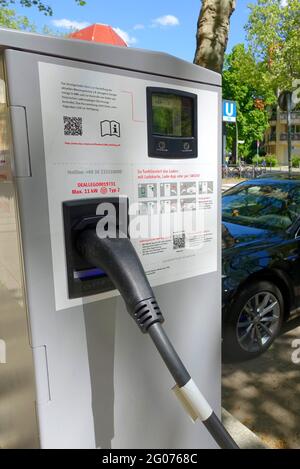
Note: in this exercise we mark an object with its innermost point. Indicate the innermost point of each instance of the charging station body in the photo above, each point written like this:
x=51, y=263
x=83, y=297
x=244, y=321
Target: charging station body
x=85, y=125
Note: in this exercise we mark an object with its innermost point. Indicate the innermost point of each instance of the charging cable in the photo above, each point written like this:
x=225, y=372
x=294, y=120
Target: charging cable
x=118, y=258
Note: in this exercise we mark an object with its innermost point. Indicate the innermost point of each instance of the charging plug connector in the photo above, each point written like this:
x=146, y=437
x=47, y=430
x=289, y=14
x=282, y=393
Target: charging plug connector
x=120, y=261
x=118, y=258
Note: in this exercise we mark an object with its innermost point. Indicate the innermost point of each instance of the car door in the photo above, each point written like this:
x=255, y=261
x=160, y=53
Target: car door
x=295, y=265
x=294, y=245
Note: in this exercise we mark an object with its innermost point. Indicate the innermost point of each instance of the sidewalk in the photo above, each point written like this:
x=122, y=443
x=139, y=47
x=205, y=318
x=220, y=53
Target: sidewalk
x=264, y=394
x=227, y=185
x=244, y=438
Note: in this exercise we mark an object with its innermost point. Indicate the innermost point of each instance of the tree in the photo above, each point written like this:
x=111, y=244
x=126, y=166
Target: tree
x=273, y=32
x=42, y=7
x=212, y=33
x=9, y=19
x=246, y=81
x=212, y=29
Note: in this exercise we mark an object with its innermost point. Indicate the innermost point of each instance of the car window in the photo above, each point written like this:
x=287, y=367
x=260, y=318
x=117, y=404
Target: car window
x=272, y=206
x=295, y=196
x=294, y=202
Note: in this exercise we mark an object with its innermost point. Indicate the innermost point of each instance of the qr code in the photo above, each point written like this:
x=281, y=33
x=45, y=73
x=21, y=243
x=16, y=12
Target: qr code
x=179, y=241
x=72, y=125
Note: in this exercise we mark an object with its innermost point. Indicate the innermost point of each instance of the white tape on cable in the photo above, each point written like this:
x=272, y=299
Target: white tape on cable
x=193, y=401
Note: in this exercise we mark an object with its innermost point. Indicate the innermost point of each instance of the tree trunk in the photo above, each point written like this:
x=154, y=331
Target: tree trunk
x=212, y=33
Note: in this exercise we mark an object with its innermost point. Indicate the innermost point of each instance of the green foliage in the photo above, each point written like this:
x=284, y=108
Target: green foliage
x=274, y=35
x=296, y=161
x=271, y=160
x=257, y=159
x=39, y=4
x=9, y=19
x=48, y=31
x=271, y=63
x=244, y=81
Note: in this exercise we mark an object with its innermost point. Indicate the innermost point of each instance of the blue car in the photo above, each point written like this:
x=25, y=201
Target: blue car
x=261, y=262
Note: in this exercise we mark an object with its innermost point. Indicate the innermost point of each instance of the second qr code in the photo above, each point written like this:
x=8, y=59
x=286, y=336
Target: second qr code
x=72, y=126
x=179, y=241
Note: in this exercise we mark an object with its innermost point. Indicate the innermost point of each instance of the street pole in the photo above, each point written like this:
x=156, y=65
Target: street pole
x=236, y=143
x=289, y=130
x=224, y=143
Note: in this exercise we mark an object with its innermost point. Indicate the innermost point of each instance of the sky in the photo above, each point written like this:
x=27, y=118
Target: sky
x=162, y=25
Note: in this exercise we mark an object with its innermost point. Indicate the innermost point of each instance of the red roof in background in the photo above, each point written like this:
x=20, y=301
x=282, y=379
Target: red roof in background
x=99, y=33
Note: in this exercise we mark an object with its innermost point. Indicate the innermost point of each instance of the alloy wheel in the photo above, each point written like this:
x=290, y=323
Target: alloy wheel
x=258, y=322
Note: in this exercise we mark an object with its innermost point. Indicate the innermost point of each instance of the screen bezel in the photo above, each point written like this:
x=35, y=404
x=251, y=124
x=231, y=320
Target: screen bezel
x=172, y=142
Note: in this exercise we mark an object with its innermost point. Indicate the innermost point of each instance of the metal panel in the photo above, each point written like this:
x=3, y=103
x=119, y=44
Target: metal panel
x=18, y=420
x=107, y=386
x=127, y=58
x=20, y=139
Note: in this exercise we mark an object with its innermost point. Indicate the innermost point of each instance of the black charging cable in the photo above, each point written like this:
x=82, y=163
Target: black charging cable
x=118, y=258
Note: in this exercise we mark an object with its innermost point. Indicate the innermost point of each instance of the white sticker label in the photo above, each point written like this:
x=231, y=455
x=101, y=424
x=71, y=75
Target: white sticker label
x=95, y=137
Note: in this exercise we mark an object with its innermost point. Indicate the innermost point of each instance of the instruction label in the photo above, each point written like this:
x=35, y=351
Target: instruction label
x=95, y=137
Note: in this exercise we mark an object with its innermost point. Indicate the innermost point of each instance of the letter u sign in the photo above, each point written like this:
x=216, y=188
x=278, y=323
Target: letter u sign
x=229, y=109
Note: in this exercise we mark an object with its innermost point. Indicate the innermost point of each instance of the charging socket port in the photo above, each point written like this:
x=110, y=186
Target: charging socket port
x=85, y=279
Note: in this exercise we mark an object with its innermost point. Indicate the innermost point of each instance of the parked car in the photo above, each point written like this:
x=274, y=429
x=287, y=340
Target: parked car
x=261, y=262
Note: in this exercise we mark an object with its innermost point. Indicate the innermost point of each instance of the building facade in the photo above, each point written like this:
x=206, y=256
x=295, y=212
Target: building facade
x=276, y=135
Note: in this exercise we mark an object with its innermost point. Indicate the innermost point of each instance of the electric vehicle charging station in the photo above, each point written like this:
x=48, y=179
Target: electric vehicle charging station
x=87, y=124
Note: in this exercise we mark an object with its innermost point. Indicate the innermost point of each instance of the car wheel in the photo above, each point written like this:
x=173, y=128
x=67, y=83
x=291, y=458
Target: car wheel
x=253, y=321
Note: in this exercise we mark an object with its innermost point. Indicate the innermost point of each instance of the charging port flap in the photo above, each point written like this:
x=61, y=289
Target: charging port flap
x=85, y=279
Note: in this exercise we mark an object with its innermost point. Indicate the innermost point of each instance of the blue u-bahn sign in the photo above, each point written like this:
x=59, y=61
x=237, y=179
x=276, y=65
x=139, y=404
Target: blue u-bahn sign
x=229, y=111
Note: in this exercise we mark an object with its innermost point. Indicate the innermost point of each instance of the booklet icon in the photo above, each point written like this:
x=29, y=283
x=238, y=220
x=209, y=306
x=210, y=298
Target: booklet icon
x=111, y=128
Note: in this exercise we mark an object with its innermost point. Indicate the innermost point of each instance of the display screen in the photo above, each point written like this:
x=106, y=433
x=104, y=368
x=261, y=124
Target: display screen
x=172, y=115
